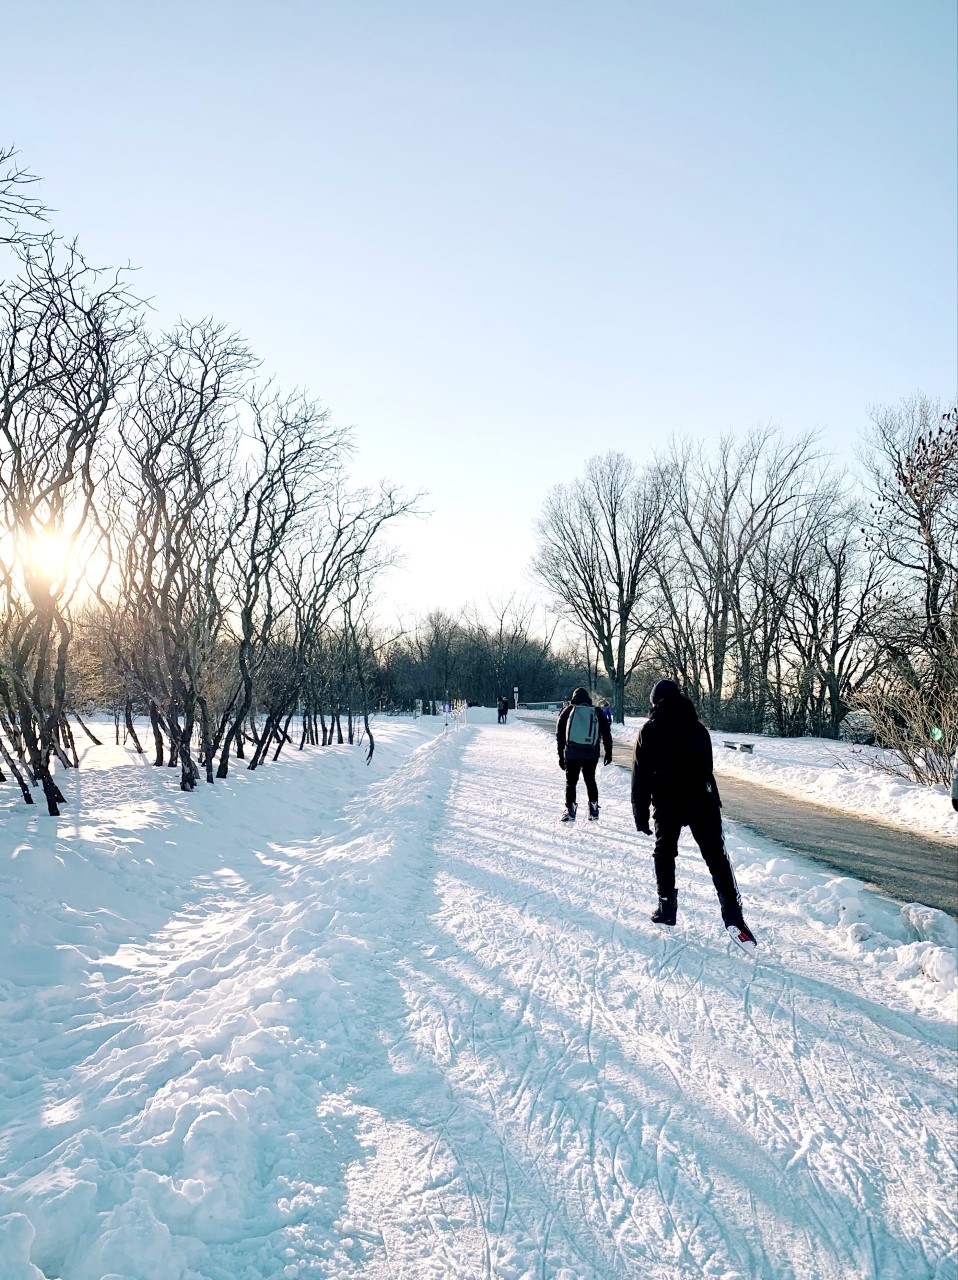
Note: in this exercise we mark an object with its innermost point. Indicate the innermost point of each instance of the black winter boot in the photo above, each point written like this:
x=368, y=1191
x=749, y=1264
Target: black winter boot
x=667, y=909
x=731, y=906
x=569, y=813
x=593, y=811
x=734, y=921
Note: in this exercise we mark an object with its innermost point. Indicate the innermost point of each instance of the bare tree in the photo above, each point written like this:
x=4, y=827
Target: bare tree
x=65, y=335
x=913, y=467
x=723, y=508
x=598, y=541
x=320, y=577
x=439, y=643
x=17, y=202
x=292, y=464
x=171, y=518
x=824, y=588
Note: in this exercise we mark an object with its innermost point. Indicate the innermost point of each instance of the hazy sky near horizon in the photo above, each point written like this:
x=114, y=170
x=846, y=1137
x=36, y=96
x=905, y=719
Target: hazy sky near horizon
x=499, y=239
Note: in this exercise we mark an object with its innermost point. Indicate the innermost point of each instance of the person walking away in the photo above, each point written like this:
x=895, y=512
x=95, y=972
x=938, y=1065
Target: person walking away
x=672, y=773
x=581, y=732
x=605, y=710
x=504, y=708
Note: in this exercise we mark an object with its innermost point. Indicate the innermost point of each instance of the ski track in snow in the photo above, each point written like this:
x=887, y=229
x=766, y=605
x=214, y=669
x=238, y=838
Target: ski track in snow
x=440, y=1038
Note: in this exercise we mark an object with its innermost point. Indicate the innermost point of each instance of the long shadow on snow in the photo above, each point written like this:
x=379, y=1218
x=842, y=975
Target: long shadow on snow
x=656, y=1098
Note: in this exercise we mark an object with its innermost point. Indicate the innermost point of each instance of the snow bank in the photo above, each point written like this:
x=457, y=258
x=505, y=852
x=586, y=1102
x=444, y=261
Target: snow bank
x=908, y=947
x=179, y=972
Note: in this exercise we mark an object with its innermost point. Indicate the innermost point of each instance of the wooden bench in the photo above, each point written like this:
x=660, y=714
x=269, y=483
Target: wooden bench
x=739, y=746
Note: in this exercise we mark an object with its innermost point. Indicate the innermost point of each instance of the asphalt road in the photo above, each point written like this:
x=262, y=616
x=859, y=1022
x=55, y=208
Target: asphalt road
x=907, y=867
x=904, y=866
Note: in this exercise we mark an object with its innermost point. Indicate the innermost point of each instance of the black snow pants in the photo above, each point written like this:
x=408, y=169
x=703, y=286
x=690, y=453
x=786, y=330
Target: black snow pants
x=572, y=770
x=706, y=827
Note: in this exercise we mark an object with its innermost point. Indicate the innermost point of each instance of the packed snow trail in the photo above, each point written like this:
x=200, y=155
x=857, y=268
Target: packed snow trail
x=433, y=1033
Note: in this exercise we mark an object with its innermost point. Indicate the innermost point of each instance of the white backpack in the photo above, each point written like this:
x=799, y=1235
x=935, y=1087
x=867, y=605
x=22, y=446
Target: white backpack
x=583, y=727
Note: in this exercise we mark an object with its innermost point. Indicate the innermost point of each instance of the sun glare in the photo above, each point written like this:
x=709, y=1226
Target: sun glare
x=52, y=557
x=50, y=554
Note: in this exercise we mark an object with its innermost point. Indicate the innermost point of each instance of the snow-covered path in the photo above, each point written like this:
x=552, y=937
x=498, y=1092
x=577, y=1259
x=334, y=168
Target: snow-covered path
x=433, y=1034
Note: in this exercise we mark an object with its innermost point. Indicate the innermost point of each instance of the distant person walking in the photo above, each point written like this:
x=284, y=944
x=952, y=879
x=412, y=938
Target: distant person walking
x=503, y=705
x=672, y=773
x=580, y=732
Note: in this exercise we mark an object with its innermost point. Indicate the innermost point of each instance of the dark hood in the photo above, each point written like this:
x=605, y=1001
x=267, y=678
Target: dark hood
x=677, y=710
x=580, y=698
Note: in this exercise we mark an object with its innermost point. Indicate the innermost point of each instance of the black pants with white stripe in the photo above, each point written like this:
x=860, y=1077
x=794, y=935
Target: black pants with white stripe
x=706, y=827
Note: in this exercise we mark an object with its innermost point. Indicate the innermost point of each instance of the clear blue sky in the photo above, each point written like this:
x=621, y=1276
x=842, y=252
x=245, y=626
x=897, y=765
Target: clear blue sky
x=497, y=238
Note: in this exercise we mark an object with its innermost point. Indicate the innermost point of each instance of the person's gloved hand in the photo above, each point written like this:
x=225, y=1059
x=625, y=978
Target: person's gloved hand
x=642, y=824
x=608, y=759
x=562, y=763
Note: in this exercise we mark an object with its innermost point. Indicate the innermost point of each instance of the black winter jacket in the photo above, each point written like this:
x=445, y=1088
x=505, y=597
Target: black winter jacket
x=672, y=763
x=572, y=751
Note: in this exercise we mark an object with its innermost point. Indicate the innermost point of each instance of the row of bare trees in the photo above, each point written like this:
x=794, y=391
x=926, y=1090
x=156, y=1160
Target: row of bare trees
x=475, y=656
x=780, y=593
x=180, y=537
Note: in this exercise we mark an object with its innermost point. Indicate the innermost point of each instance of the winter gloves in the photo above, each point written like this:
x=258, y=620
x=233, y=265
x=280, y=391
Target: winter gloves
x=562, y=763
x=642, y=823
x=608, y=759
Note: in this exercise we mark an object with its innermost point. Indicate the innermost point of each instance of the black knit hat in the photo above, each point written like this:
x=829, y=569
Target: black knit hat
x=663, y=689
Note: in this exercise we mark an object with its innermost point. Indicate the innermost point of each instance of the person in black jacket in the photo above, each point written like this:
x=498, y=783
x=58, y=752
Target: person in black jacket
x=579, y=742
x=672, y=773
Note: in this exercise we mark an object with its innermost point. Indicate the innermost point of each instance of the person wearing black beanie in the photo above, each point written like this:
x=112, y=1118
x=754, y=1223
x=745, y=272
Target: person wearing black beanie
x=672, y=774
x=581, y=731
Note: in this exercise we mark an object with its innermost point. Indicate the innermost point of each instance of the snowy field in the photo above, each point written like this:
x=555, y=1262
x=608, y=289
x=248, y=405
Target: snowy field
x=330, y=1021
x=837, y=774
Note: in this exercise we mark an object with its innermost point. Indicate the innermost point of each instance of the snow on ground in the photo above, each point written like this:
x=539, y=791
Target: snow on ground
x=325, y=1021
x=841, y=775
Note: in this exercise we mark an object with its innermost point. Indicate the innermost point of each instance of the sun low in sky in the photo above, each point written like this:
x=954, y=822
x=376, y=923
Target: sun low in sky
x=53, y=559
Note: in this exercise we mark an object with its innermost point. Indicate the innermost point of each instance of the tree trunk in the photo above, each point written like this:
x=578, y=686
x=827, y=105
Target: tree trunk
x=92, y=736
x=205, y=733
x=157, y=734
x=12, y=765
x=283, y=737
x=262, y=746
x=128, y=716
